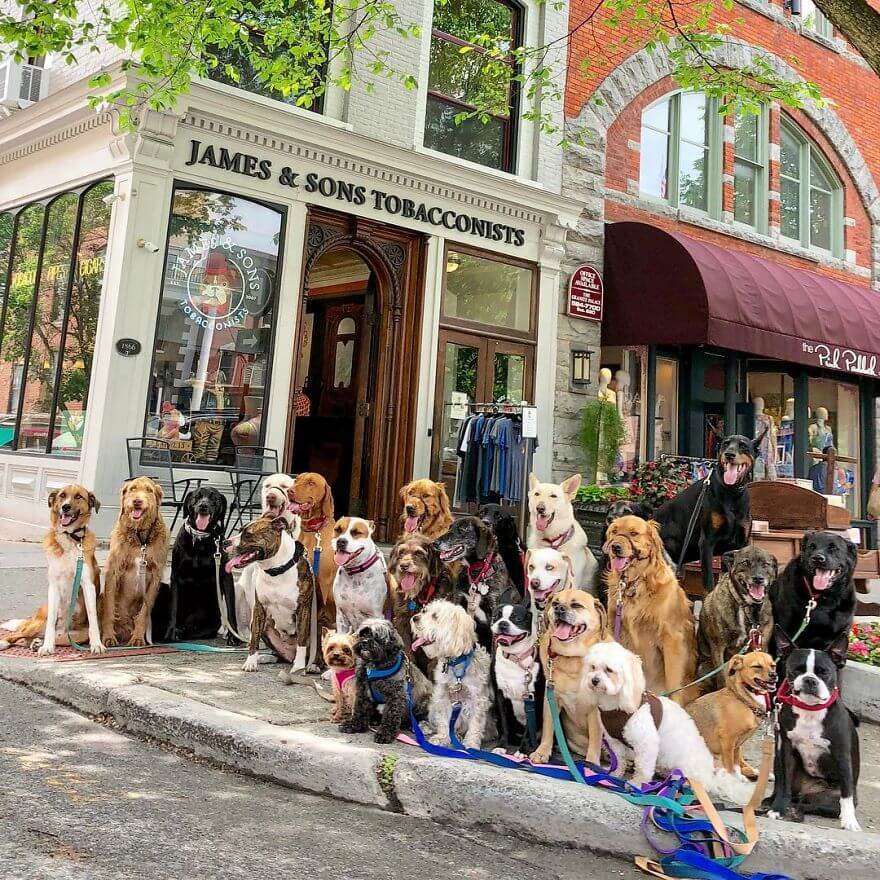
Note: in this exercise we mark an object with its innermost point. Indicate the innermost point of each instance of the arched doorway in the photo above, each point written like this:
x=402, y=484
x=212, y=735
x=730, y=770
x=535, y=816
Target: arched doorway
x=335, y=377
x=356, y=363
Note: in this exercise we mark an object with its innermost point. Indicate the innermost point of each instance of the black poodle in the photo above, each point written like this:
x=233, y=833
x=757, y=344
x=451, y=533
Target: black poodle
x=510, y=545
x=189, y=609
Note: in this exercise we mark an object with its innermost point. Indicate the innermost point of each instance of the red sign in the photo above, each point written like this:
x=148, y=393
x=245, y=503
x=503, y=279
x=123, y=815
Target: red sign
x=585, y=294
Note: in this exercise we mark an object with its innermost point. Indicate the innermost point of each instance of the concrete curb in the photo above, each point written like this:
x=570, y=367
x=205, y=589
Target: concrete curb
x=405, y=780
x=861, y=689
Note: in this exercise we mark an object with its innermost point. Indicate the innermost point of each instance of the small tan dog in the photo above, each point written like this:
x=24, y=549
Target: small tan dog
x=656, y=621
x=575, y=621
x=425, y=509
x=138, y=553
x=338, y=651
x=727, y=718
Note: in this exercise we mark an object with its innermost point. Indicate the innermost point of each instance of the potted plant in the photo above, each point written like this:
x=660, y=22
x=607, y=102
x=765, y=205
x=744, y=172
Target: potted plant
x=657, y=481
x=602, y=434
x=591, y=509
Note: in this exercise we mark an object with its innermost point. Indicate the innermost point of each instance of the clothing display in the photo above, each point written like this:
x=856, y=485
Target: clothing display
x=493, y=459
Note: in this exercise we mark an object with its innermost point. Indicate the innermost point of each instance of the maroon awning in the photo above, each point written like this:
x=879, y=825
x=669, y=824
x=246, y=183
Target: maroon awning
x=663, y=288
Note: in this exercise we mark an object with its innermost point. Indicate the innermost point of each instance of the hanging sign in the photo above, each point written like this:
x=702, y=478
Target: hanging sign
x=529, y=421
x=585, y=294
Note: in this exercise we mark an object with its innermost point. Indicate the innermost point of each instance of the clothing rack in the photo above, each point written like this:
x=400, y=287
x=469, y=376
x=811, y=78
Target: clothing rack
x=505, y=407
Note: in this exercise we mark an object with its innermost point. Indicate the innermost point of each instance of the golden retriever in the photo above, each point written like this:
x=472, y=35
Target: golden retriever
x=138, y=553
x=574, y=621
x=656, y=620
x=310, y=497
x=70, y=509
x=425, y=509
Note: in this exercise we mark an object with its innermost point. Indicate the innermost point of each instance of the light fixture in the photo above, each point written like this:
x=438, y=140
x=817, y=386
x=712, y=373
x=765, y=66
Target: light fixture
x=580, y=368
x=452, y=263
x=46, y=365
x=79, y=364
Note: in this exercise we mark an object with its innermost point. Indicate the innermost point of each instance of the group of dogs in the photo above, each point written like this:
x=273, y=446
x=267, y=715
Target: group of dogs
x=466, y=615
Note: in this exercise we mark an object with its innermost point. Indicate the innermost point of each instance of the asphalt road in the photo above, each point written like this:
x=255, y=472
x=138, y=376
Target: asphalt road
x=81, y=800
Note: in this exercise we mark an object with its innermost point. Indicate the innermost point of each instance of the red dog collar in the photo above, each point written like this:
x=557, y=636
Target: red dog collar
x=559, y=540
x=479, y=570
x=314, y=525
x=785, y=696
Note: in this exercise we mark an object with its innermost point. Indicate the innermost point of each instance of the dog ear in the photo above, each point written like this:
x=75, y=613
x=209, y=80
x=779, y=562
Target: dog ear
x=533, y=481
x=774, y=562
x=736, y=662
x=279, y=524
x=633, y=685
x=325, y=631
x=839, y=649
x=569, y=572
x=93, y=502
x=223, y=506
x=404, y=491
x=727, y=560
x=443, y=499
x=571, y=486
x=784, y=645
x=371, y=525
x=485, y=538
x=654, y=538
x=52, y=496
x=156, y=489
x=852, y=555
x=603, y=618
x=188, y=500
x=327, y=502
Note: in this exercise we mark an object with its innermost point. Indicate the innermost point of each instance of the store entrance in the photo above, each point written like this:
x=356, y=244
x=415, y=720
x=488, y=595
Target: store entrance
x=336, y=376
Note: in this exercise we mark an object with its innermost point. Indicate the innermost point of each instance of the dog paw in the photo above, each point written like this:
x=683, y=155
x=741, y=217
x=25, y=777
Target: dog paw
x=351, y=727
x=439, y=739
x=36, y=644
x=540, y=756
x=44, y=650
x=97, y=648
x=383, y=737
x=313, y=669
x=110, y=641
x=773, y=814
x=251, y=664
x=850, y=824
x=4, y=644
x=137, y=641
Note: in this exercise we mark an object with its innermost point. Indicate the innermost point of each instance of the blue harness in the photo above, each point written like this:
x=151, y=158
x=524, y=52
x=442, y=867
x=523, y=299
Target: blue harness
x=459, y=666
x=374, y=674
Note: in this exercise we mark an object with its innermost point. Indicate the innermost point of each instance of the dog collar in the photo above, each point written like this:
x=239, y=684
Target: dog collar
x=789, y=699
x=379, y=673
x=280, y=569
x=77, y=535
x=357, y=569
x=478, y=571
x=421, y=599
x=315, y=524
x=524, y=659
x=198, y=534
x=559, y=540
x=458, y=666
x=768, y=702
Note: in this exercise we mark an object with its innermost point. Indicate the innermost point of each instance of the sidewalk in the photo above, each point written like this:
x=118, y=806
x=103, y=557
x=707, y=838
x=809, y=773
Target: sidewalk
x=253, y=723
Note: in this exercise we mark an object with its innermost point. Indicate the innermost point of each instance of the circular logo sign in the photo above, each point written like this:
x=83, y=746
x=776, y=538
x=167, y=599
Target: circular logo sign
x=128, y=347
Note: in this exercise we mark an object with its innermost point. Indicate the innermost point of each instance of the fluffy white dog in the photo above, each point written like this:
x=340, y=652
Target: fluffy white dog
x=655, y=731
x=447, y=634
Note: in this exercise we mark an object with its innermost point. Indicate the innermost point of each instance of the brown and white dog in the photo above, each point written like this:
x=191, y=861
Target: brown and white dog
x=69, y=536
x=362, y=587
x=310, y=497
x=552, y=524
x=575, y=621
x=547, y=572
x=425, y=508
x=138, y=553
x=656, y=621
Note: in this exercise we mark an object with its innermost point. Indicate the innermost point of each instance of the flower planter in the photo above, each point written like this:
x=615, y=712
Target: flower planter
x=592, y=515
x=861, y=689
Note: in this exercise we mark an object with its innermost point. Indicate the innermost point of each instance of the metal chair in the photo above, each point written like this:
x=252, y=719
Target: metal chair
x=151, y=457
x=252, y=465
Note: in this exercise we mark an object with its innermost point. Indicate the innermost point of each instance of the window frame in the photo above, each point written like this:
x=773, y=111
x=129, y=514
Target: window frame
x=822, y=26
x=182, y=184
x=80, y=192
x=510, y=145
x=714, y=133
x=809, y=152
x=761, y=167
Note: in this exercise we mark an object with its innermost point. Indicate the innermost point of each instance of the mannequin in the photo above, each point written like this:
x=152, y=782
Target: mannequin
x=622, y=381
x=820, y=431
x=765, y=464
x=605, y=393
x=785, y=462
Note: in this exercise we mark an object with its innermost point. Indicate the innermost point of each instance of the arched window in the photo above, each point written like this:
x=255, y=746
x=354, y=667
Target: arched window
x=681, y=152
x=460, y=81
x=811, y=195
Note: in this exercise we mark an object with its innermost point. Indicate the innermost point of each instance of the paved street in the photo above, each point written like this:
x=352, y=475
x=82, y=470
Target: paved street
x=82, y=801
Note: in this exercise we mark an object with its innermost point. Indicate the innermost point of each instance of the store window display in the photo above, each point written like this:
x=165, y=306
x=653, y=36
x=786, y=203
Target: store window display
x=765, y=428
x=834, y=425
x=214, y=334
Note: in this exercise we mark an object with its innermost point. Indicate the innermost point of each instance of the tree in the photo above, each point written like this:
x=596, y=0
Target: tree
x=292, y=49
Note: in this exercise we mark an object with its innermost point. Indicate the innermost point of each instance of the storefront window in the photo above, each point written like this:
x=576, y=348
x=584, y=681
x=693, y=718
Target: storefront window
x=666, y=408
x=488, y=292
x=834, y=424
x=749, y=169
x=772, y=398
x=462, y=80
x=213, y=341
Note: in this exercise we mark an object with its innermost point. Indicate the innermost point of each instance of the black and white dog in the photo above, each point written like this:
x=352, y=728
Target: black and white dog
x=817, y=746
x=823, y=572
x=190, y=609
x=518, y=677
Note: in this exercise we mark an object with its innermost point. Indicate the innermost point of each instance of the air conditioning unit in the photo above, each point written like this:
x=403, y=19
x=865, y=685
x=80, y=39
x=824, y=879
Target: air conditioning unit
x=22, y=84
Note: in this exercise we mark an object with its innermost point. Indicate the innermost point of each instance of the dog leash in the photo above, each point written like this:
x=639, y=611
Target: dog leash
x=689, y=533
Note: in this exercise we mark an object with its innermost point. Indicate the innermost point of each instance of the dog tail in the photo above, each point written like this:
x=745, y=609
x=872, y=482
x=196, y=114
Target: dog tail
x=323, y=693
x=23, y=630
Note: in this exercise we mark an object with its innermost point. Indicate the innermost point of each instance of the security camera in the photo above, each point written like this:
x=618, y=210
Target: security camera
x=147, y=245
x=113, y=197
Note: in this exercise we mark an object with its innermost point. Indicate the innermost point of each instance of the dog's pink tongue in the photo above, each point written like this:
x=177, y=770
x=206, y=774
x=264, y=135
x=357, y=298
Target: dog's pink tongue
x=542, y=522
x=756, y=591
x=137, y=513
x=417, y=643
x=202, y=521
x=822, y=579
x=731, y=474
x=619, y=563
x=408, y=581
x=562, y=631
x=341, y=558
x=233, y=562
x=411, y=524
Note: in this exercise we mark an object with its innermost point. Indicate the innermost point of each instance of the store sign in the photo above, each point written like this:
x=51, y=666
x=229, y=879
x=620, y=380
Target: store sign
x=344, y=191
x=585, y=294
x=128, y=347
x=832, y=357
x=223, y=282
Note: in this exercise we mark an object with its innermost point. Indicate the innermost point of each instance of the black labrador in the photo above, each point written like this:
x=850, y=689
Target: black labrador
x=189, y=609
x=723, y=521
x=510, y=545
